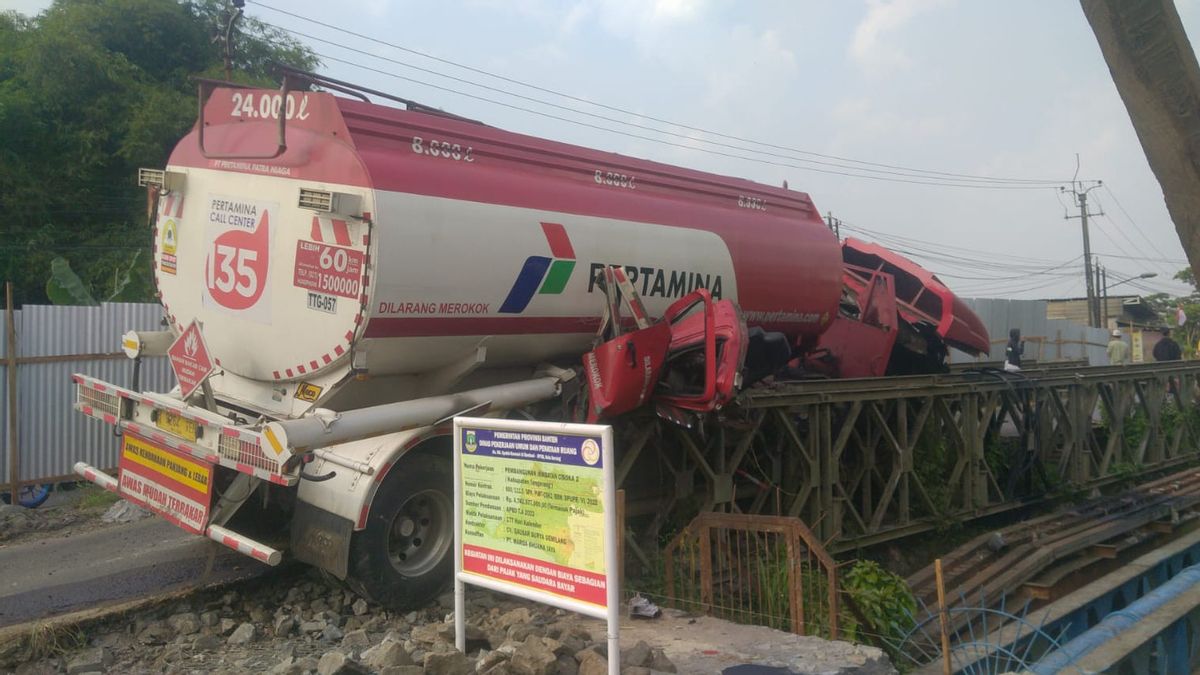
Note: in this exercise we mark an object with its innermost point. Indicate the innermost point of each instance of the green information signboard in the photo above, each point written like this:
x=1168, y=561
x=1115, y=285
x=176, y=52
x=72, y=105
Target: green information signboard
x=535, y=513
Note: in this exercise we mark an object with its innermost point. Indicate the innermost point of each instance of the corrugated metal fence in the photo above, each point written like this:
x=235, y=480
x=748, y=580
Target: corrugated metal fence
x=1045, y=339
x=52, y=343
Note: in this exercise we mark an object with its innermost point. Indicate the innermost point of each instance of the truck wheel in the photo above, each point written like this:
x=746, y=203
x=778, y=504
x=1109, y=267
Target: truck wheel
x=404, y=558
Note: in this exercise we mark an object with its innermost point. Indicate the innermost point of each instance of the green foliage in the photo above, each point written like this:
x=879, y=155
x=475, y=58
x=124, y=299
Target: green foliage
x=1126, y=473
x=771, y=574
x=1173, y=418
x=65, y=287
x=1135, y=429
x=96, y=499
x=90, y=90
x=1165, y=305
x=998, y=453
x=933, y=464
x=883, y=600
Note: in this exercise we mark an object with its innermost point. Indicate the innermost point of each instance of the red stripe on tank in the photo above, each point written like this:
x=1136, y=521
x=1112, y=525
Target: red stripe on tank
x=341, y=233
x=519, y=325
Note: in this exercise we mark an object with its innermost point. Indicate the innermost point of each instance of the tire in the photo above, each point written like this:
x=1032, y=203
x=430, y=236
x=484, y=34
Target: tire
x=404, y=558
x=30, y=496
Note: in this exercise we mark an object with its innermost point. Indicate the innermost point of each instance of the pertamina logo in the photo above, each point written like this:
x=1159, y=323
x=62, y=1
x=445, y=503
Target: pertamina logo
x=541, y=275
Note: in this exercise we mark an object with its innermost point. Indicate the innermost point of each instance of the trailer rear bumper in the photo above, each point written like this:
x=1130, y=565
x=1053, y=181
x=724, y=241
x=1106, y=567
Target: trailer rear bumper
x=213, y=439
x=244, y=545
x=240, y=543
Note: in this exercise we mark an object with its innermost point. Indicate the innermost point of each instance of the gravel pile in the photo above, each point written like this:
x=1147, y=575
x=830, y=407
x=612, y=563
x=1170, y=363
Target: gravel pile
x=312, y=626
x=295, y=622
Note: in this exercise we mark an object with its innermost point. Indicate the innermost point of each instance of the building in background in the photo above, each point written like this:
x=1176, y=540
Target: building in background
x=1116, y=311
x=1130, y=313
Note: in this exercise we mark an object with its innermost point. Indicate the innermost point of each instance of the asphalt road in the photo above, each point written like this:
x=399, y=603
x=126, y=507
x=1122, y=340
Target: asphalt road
x=62, y=574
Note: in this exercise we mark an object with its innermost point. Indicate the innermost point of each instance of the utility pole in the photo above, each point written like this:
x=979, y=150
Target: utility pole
x=227, y=39
x=1104, y=285
x=1093, y=303
x=833, y=223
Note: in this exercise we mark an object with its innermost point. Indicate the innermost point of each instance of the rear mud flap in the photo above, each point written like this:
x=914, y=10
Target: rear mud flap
x=321, y=538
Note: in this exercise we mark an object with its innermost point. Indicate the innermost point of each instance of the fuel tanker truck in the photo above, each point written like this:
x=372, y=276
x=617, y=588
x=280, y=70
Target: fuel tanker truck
x=340, y=278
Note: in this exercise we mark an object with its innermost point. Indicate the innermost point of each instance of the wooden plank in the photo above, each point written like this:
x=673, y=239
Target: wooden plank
x=1039, y=591
x=63, y=358
x=14, y=454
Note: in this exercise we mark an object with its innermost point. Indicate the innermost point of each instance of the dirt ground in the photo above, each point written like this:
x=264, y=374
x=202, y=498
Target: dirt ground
x=70, y=507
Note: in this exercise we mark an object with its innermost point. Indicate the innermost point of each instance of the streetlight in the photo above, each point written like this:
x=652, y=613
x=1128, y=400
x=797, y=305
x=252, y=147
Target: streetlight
x=1106, y=286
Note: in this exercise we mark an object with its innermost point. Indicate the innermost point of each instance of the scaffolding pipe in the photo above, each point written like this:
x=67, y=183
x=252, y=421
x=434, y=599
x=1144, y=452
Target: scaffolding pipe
x=325, y=428
x=1184, y=584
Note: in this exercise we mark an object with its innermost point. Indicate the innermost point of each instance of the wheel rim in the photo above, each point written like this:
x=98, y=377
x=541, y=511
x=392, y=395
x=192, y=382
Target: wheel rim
x=420, y=533
x=29, y=496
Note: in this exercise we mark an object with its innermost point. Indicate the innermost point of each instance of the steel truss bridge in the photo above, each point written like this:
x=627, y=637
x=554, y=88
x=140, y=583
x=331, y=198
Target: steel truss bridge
x=870, y=460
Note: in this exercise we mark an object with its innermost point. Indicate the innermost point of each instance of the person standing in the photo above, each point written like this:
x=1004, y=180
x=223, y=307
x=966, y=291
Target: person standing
x=1167, y=349
x=1118, y=350
x=1013, y=351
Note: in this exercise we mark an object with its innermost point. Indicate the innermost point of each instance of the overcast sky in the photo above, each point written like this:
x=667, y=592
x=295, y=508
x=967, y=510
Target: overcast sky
x=1010, y=89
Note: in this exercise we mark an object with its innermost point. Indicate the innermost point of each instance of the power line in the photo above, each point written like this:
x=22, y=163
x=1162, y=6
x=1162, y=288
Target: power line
x=1014, y=289
x=1131, y=221
x=1045, y=274
x=939, y=246
x=1112, y=240
x=1119, y=230
x=975, y=282
x=606, y=118
x=1172, y=261
x=673, y=144
x=929, y=173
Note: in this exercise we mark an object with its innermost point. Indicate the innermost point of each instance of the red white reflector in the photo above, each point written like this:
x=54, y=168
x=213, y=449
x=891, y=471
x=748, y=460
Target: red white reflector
x=96, y=476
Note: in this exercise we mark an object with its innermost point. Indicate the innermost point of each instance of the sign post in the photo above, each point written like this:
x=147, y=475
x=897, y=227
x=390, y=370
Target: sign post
x=536, y=517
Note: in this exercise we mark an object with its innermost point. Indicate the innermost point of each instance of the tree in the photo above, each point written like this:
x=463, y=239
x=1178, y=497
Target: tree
x=1156, y=73
x=1166, y=307
x=90, y=90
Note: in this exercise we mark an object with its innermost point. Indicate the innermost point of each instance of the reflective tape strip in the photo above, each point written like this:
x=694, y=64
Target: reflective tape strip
x=244, y=545
x=276, y=446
